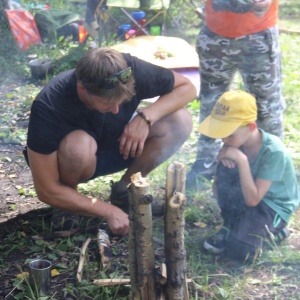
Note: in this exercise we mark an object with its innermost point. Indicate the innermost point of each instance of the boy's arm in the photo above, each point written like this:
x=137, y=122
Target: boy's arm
x=253, y=191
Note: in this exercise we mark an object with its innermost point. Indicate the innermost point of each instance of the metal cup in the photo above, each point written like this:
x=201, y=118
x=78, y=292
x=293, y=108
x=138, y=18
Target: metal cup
x=40, y=276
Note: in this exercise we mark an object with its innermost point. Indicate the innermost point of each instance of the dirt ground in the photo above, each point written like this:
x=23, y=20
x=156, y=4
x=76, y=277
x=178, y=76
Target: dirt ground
x=15, y=176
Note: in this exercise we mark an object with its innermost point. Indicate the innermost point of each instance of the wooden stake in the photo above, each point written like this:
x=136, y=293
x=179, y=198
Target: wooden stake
x=174, y=233
x=141, y=254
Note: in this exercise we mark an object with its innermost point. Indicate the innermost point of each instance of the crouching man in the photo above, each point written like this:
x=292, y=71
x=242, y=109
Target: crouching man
x=85, y=123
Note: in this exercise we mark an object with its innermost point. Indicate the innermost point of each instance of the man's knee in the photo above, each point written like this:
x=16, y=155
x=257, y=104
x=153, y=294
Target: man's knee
x=77, y=148
x=181, y=123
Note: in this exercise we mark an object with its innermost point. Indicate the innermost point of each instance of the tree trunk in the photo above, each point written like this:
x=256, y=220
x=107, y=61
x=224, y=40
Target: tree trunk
x=141, y=254
x=174, y=233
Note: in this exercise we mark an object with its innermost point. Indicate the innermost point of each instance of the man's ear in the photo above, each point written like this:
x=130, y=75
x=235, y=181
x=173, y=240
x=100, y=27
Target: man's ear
x=80, y=86
x=252, y=126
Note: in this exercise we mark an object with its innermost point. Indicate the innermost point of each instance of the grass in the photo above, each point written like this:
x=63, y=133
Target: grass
x=275, y=275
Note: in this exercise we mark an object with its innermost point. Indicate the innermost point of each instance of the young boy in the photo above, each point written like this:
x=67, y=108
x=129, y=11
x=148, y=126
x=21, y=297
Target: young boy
x=255, y=184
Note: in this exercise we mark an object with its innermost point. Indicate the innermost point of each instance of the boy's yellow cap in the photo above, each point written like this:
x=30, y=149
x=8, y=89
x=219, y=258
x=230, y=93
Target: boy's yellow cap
x=232, y=110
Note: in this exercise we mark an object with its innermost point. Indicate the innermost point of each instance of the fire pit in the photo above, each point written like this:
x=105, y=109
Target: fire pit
x=40, y=68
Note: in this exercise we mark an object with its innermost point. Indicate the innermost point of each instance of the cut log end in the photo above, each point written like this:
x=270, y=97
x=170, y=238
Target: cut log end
x=177, y=200
x=138, y=180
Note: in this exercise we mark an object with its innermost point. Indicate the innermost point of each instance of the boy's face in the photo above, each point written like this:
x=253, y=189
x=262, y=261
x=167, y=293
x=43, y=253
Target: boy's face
x=238, y=137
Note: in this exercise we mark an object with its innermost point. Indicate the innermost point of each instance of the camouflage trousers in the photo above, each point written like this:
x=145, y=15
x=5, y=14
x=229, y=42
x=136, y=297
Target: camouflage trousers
x=257, y=58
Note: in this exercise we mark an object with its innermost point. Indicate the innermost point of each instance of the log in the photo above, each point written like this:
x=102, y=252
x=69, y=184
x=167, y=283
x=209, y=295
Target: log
x=141, y=253
x=174, y=248
x=174, y=233
x=176, y=176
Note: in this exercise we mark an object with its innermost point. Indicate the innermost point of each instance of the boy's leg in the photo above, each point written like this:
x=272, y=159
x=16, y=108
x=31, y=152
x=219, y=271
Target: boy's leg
x=249, y=227
x=251, y=232
x=231, y=203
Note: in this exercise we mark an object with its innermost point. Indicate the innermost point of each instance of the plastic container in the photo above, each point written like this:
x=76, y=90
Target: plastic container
x=130, y=34
x=138, y=15
x=40, y=68
x=123, y=29
x=155, y=30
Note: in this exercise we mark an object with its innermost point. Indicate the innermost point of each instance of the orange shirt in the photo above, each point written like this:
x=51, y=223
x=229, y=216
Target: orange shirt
x=232, y=25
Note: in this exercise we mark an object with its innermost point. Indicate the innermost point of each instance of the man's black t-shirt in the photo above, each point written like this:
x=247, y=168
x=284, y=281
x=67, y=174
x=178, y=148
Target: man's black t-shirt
x=57, y=110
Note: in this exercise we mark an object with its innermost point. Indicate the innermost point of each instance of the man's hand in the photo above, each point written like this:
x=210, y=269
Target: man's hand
x=133, y=138
x=118, y=221
x=260, y=7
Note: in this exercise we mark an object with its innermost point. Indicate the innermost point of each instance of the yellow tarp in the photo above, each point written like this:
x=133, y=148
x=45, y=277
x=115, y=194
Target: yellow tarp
x=168, y=52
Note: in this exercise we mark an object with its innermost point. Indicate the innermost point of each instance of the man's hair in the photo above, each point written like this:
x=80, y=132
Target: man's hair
x=101, y=63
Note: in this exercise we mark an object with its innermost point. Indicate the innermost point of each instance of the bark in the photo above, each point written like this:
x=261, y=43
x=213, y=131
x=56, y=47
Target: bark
x=174, y=233
x=176, y=175
x=141, y=254
x=104, y=249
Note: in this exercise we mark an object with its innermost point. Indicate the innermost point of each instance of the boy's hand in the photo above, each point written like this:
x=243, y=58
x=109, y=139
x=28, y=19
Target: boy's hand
x=229, y=156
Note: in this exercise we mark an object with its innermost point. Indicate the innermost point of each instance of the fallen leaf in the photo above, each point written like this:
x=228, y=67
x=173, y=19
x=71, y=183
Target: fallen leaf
x=54, y=272
x=22, y=275
x=200, y=224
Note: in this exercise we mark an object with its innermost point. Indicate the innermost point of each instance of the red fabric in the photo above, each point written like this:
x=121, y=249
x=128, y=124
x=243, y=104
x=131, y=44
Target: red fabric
x=232, y=25
x=24, y=28
x=82, y=34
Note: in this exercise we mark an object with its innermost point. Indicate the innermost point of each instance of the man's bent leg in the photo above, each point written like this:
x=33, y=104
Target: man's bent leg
x=77, y=158
x=77, y=163
x=165, y=138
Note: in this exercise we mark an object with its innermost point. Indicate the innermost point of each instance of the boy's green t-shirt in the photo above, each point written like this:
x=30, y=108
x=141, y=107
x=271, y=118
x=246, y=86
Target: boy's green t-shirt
x=274, y=163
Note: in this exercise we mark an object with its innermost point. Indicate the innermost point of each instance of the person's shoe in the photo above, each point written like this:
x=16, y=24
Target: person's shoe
x=217, y=242
x=117, y=198
x=62, y=220
x=120, y=199
x=283, y=234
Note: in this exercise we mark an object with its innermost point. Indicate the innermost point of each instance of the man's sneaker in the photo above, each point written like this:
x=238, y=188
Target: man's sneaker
x=217, y=242
x=62, y=220
x=120, y=199
x=117, y=198
x=283, y=234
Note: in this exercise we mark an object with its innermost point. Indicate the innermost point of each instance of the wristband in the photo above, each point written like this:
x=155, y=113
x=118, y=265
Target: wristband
x=144, y=117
